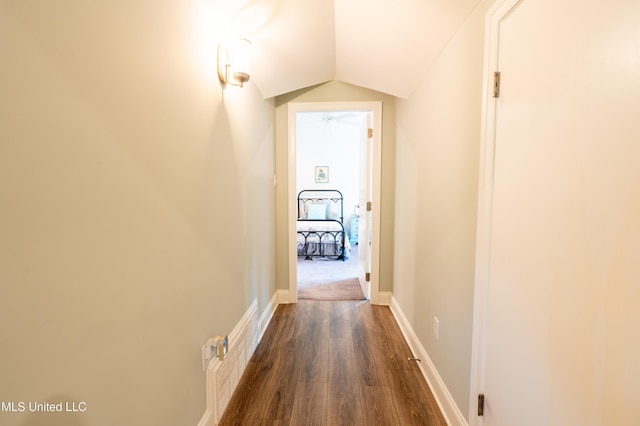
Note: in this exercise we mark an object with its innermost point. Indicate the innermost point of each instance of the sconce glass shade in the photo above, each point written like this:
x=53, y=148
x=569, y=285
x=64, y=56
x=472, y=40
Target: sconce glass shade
x=233, y=62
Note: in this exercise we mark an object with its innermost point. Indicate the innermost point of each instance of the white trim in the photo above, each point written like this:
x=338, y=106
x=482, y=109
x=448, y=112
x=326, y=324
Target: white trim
x=376, y=189
x=292, y=209
x=498, y=12
x=283, y=297
x=443, y=397
x=293, y=108
x=385, y=298
x=267, y=314
x=243, y=325
x=207, y=419
x=222, y=377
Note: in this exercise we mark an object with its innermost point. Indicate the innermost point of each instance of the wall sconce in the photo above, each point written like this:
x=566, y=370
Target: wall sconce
x=233, y=62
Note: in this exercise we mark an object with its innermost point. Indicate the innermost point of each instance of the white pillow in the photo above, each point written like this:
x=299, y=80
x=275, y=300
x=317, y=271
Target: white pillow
x=317, y=211
x=331, y=213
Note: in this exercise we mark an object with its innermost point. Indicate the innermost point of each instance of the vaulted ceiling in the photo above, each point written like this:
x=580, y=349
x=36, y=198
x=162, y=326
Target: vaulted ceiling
x=384, y=45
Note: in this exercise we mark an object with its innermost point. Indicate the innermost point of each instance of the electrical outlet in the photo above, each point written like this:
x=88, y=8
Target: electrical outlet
x=223, y=346
x=205, y=356
x=209, y=351
x=436, y=328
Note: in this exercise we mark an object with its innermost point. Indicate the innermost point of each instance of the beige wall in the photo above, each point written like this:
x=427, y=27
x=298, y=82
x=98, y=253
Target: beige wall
x=336, y=91
x=137, y=212
x=438, y=136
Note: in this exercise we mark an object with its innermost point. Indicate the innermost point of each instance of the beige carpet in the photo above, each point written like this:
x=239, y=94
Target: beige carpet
x=321, y=279
x=348, y=289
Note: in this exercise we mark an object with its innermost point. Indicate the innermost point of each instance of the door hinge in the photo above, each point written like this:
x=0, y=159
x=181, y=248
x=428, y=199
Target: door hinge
x=367, y=276
x=368, y=206
x=496, y=84
x=369, y=133
x=480, y=404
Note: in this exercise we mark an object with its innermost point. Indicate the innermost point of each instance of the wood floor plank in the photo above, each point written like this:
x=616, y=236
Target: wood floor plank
x=268, y=422
x=366, y=342
x=241, y=409
x=339, y=322
x=345, y=397
x=333, y=363
x=414, y=401
x=315, y=353
x=310, y=407
x=393, y=347
x=280, y=383
x=280, y=322
x=380, y=408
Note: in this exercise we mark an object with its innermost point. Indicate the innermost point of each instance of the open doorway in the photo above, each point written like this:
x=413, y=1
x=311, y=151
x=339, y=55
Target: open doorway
x=334, y=167
x=329, y=181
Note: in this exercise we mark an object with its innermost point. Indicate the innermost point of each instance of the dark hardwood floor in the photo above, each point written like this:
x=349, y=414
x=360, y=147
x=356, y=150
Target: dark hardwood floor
x=332, y=363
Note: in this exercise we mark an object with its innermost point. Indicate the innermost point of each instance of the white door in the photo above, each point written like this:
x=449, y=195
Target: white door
x=364, y=213
x=559, y=218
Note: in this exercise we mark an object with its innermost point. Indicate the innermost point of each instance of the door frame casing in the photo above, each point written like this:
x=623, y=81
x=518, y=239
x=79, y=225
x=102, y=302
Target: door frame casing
x=495, y=15
x=376, y=108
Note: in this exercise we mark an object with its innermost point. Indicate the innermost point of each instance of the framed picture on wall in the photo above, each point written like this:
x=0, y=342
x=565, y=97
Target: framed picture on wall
x=322, y=174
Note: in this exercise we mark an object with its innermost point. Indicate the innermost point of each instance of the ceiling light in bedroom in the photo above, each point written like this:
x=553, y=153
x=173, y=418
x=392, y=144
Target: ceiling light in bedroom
x=233, y=62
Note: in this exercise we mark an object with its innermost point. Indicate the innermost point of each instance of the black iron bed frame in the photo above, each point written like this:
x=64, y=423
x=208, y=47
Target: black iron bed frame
x=315, y=197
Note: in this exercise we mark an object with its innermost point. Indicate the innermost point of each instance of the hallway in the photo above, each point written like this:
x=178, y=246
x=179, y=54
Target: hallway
x=332, y=363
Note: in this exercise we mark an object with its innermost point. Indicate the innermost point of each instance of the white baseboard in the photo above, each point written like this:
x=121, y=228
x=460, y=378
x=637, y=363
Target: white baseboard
x=283, y=297
x=222, y=377
x=267, y=314
x=384, y=298
x=207, y=419
x=448, y=407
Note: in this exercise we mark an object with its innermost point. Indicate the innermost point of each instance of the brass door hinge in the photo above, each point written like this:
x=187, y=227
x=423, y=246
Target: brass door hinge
x=369, y=133
x=480, y=404
x=496, y=84
x=368, y=206
x=367, y=276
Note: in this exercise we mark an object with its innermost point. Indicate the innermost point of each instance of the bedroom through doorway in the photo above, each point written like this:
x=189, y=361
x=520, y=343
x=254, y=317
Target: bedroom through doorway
x=331, y=181
x=328, y=180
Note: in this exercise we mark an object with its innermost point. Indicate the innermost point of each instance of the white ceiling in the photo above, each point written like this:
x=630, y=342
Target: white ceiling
x=319, y=122
x=384, y=45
